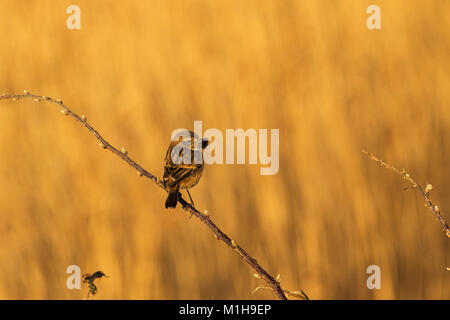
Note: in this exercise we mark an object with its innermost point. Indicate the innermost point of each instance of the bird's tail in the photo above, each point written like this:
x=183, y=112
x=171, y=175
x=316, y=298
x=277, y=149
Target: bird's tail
x=172, y=198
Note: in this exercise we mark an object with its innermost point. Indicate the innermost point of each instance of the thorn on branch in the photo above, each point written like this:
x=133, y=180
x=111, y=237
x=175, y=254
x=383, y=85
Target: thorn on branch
x=428, y=189
x=278, y=279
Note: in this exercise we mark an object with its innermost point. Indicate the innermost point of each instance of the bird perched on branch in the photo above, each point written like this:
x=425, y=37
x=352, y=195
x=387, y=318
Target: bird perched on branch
x=183, y=166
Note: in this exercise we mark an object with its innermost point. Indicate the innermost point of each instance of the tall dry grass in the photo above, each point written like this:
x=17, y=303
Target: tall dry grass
x=139, y=69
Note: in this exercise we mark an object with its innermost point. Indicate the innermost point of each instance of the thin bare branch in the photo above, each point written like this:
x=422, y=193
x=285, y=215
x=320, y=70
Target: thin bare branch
x=123, y=154
x=295, y=294
x=424, y=192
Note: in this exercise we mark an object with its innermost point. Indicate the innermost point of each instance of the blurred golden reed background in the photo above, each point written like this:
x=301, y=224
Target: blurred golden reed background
x=140, y=69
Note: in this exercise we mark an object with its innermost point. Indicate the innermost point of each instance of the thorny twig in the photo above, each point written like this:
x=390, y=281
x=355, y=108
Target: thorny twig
x=295, y=294
x=218, y=233
x=300, y=294
x=425, y=193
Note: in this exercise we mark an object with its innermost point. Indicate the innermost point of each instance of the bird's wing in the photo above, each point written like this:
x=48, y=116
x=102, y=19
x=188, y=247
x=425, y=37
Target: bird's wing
x=173, y=174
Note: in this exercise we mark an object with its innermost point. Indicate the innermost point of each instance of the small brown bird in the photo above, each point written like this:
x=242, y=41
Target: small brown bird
x=181, y=169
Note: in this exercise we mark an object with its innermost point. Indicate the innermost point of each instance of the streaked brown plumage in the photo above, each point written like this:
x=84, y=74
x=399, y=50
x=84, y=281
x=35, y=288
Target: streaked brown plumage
x=178, y=174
